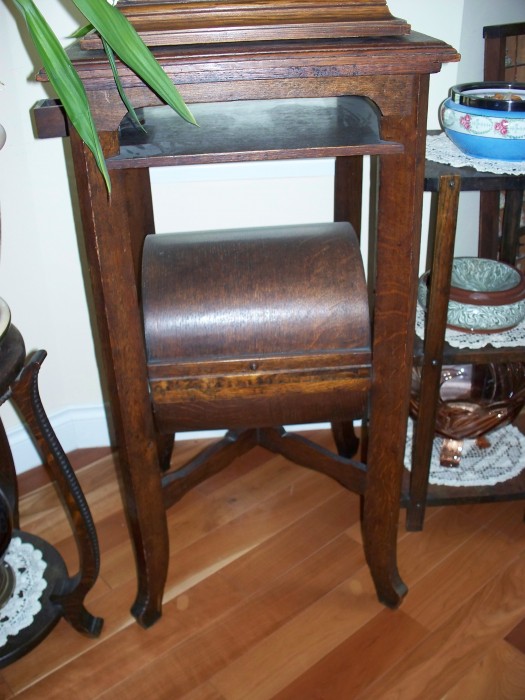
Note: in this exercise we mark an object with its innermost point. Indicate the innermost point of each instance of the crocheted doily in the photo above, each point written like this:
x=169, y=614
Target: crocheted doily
x=503, y=460
x=20, y=610
x=515, y=337
x=441, y=150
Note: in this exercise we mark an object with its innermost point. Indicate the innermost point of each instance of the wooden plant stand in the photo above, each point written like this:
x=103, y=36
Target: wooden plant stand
x=63, y=595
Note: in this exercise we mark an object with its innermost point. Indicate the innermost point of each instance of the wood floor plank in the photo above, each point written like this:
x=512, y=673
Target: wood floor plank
x=120, y=652
x=240, y=467
x=269, y=598
x=33, y=479
x=302, y=642
x=459, y=576
x=419, y=552
x=232, y=540
x=295, y=543
x=194, y=661
x=500, y=675
x=5, y=691
x=508, y=521
x=197, y=513
x=137, y=642
x=203, y=692
x=356, y=662
x=435, y=666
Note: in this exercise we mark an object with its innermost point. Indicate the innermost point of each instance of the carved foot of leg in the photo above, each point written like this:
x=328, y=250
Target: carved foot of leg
x=415, y=517
x=82, y=620
x=146, y=611
x=380, y=547
x=391, y=590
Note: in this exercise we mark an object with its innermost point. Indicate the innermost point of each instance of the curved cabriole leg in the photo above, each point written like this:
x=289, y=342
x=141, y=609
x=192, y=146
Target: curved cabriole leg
x=381, y=553
x=71, y=598
x=393, y=323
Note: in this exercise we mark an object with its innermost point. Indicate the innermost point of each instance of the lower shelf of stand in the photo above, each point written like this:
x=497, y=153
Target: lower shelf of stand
x=437, y=495
x=440, y=495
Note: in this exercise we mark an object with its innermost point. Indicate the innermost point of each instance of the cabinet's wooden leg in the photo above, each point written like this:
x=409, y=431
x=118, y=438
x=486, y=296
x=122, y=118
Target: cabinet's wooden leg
x=114, y=231
x=345, y=438
x=165, y=444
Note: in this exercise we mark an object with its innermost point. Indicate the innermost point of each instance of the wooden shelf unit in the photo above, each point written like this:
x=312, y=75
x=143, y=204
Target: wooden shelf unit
x=446, y=182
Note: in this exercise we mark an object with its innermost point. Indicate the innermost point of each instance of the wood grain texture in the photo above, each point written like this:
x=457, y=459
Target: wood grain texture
x=268, y=596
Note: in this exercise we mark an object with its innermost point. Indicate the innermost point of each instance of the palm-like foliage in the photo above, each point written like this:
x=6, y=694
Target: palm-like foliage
x=119, y=37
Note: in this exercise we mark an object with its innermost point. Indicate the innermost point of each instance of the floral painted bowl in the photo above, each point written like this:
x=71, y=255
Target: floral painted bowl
x=486, y=296
x=486, y=120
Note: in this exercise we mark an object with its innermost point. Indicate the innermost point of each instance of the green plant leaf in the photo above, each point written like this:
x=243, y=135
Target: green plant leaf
x=118, y=83
x=117, y=31
x=64, y=80
x=81, y=31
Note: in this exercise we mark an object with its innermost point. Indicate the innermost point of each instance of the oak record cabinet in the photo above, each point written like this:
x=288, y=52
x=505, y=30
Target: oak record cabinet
x=266, y=80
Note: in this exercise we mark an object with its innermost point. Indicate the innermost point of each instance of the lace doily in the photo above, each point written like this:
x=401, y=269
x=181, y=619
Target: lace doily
x=503, y=460
x=20, y=610
x=513, y=338
x=441, y=150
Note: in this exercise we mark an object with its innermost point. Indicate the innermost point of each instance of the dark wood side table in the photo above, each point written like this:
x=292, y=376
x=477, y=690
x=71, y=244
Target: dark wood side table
x=59, y=595
x=446, y=182
x=356, y=49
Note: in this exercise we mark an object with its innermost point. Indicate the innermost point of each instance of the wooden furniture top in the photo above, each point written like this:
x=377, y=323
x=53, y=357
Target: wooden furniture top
x=364, y=66
x=177, y=22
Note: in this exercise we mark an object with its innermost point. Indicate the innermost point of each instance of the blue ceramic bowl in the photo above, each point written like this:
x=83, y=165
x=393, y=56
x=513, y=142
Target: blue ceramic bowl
x=486, y=120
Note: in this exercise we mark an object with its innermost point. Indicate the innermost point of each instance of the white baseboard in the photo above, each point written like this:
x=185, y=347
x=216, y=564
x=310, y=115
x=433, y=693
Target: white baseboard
x=75, y=427
x=87, y=426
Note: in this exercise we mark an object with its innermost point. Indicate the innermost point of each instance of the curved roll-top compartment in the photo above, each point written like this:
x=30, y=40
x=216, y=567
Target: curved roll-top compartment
x=259, y=317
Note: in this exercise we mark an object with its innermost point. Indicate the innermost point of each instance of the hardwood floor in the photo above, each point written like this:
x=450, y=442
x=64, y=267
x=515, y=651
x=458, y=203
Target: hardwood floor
x=269, y=597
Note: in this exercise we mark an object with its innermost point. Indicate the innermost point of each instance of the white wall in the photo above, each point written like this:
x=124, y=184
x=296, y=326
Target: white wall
x=40, y=274
x=460, y=23
x=477, y=15
x=40, y=270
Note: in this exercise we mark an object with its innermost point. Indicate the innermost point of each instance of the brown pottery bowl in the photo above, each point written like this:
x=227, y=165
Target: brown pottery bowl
x=486, y=296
